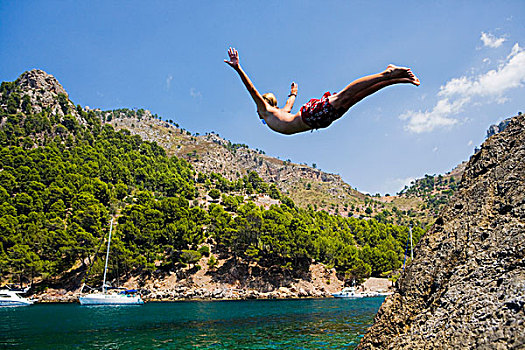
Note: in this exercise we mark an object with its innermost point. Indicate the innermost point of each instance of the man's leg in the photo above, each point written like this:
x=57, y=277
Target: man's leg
x=365, y=86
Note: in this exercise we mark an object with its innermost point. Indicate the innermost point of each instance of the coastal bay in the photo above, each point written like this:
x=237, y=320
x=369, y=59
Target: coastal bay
x=254, y=324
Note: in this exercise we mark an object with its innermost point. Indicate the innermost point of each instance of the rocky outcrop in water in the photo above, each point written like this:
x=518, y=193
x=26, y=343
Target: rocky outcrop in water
x=465, y=288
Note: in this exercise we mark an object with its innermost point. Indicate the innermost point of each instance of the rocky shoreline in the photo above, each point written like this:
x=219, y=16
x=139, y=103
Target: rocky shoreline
x=200, y=294
x=184, y=293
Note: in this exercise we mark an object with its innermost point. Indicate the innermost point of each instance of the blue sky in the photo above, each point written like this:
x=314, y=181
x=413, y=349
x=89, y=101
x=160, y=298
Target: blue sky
x=167, y=56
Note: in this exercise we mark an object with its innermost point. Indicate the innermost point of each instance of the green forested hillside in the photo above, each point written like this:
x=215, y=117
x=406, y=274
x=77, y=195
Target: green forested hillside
x=63, y=175
x=435, y=191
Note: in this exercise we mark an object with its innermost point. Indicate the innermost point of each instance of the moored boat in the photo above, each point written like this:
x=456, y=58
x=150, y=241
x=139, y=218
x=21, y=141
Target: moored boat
x=351, y=292
x=125, y=297
x=11, y=298
x=348, y=292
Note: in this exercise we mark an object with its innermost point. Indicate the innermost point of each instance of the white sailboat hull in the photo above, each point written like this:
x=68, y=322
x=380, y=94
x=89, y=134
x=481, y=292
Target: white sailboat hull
x=110, y=299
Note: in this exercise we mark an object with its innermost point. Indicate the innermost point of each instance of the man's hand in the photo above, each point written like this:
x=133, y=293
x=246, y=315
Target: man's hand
x=293, y=89
x=234, y=58
x=291, y=98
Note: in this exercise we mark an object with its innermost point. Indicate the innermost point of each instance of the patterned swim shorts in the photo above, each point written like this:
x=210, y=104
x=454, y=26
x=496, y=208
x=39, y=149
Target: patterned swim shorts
x=319, y=113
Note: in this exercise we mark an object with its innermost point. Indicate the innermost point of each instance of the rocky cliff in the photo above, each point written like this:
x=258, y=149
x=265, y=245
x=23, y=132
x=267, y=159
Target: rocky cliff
x=466, y=285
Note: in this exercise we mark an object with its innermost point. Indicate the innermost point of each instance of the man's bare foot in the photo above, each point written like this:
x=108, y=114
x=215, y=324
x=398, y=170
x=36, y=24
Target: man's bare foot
x=413, y=79
x=396, y=72
x=404, y=81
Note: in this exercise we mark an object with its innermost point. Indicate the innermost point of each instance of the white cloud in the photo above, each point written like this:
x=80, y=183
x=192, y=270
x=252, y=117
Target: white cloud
x=501, y=100
x=491, y=40
x=510, y=74
x=419, y=122
x=168, y=81
x=195, y=93
x=395, y=185
x=460, y=92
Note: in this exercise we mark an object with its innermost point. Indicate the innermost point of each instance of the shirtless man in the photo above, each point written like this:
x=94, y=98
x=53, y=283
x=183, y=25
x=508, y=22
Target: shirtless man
x=318, y=113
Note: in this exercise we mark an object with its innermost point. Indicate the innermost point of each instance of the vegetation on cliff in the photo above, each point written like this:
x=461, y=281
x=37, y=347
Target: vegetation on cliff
x=434, y=190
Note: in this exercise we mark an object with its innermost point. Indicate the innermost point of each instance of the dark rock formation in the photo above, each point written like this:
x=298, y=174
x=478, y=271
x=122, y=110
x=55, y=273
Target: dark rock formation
x=465, y=288
x=496, y=128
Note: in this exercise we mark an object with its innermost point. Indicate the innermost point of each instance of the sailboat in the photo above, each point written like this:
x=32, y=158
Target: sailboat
x=124, y=297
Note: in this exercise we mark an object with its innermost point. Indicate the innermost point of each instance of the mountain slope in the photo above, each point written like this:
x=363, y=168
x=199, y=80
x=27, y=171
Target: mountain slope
x=305, y=185
x=64, y=174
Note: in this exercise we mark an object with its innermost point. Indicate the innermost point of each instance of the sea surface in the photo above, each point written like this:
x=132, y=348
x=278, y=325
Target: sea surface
x=257, y=324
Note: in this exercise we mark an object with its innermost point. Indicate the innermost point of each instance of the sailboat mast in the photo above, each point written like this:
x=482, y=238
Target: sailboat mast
x=411, y=249
x=107, y=257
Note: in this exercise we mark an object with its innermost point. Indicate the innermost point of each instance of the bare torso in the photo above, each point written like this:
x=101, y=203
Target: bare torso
x=282, y=121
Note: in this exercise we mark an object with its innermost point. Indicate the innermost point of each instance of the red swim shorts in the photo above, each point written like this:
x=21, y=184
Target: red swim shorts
x=319, y=113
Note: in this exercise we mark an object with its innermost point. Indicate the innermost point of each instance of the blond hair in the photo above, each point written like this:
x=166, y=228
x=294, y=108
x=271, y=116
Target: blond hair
x=270, y=98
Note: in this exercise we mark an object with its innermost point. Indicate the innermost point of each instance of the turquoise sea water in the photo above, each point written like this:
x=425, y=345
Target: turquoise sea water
x=258, y=324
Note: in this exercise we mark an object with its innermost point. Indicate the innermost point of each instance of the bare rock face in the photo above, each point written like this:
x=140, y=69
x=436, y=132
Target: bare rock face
x=37, y=79
x=46, y=93
x=466, y=286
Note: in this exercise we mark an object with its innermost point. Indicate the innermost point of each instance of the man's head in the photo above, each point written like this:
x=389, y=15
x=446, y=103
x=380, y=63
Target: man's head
x=270, y=98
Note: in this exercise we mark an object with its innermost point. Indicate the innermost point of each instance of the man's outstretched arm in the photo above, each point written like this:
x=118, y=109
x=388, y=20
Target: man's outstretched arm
x=291, y=98
x=234, y=63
